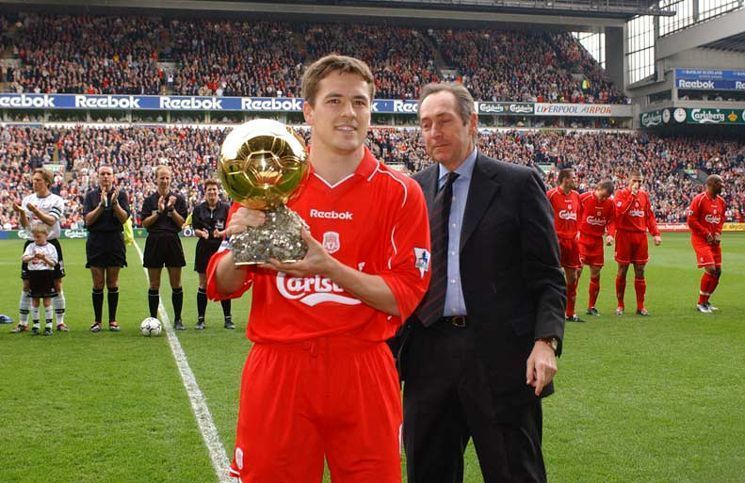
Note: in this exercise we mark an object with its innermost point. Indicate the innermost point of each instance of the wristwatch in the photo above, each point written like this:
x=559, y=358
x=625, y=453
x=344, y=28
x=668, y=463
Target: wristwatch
x=553, y=342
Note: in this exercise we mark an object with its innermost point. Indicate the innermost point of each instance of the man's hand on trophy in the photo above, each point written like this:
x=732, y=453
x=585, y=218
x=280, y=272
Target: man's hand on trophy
x=242, y=219
x=317, y=260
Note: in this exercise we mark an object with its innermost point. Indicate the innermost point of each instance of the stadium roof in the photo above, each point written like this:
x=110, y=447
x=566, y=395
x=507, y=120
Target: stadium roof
x=601, y=9
x=733, y=43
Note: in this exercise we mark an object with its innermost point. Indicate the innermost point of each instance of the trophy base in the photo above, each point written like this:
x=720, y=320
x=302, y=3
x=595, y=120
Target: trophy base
x=278, y=238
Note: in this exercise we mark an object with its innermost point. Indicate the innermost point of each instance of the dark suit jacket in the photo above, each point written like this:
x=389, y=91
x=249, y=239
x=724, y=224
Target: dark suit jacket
x=512, y=282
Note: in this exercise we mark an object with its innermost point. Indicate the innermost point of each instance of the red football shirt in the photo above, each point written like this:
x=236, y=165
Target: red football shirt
x=566, y=211
x=706, y=216
x=375, y=220
x=634, y=213
x=596, y=216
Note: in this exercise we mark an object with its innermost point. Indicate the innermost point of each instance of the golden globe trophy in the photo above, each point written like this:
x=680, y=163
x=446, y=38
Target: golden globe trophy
x=262, y=164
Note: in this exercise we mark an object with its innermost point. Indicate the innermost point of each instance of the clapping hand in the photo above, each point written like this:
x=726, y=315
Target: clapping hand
x=115, y=197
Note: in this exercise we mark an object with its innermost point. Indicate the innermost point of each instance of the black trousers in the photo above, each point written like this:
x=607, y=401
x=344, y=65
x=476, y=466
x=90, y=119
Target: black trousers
x=447, y=401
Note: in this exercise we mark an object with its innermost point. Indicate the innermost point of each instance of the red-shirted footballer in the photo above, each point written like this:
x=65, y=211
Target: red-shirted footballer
x=565, y=202
x=320, y=381
x=595, y=222
x=705, y=219
x=634, y=217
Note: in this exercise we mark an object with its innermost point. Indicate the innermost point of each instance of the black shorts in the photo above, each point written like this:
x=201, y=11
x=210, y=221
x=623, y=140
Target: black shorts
x=205, y=250
x=105, y=249
x=41, y=283
x=163, y=249
x=59, y=269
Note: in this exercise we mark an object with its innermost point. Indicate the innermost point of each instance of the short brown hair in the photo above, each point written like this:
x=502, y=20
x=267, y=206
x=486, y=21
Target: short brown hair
x=463, y=98
x=607, y=186
x=211, y=182
x=45, y=173
x=564, y=174
x=324, y=66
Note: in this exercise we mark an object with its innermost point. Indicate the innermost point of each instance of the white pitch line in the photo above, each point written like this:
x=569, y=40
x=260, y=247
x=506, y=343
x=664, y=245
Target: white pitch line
x=202, y=414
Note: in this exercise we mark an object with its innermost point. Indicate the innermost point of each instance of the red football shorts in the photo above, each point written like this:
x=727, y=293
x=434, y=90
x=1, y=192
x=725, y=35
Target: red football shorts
x=569, y=250
x=707, y=254
x=337, y=397
x=591, y=251
x=631, y=247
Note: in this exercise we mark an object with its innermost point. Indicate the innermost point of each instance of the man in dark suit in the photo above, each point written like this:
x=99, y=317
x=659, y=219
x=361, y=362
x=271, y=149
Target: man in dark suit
x=480, y=351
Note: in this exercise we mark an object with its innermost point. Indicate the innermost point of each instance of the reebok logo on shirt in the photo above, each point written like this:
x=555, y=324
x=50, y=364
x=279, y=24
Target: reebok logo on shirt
x=331, y=215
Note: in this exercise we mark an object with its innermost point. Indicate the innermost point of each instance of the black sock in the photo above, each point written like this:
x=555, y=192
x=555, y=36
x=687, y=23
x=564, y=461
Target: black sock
x=113, y=298
x=97, y=297
x=177, y=298
x=201, y=303
x=226, y=308
x=153, y=299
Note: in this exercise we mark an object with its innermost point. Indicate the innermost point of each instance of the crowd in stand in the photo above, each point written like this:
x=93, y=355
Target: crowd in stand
x=86, y=55
x=578, y=60
x=669, y=164
x=226, y=58
x=192, y=56
x=399, y=57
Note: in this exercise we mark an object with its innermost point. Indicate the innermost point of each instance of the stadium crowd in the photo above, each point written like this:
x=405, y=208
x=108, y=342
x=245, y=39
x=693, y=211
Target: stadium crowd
x=190, y=56
x=668, y=164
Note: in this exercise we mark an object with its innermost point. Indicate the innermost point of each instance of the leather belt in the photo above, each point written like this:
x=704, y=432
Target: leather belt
x=456, y=320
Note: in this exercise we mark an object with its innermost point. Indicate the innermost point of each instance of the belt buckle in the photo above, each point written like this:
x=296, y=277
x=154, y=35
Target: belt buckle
x=458, y=321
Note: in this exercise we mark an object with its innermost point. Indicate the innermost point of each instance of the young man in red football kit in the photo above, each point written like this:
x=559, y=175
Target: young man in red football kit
x=320, y=381
x=705, y=218
x=634, y=217
x=566, y=204
x=596, y=220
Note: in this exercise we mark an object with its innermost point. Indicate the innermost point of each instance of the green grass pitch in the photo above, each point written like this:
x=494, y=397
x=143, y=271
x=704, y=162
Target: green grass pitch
x=638, y=399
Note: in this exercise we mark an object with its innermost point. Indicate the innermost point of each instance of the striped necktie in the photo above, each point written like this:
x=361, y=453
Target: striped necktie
x=432, y=306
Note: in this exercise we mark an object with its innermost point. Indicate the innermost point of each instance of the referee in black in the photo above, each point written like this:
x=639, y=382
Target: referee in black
x=163, y=214
x=208, y=220
x=105, y=210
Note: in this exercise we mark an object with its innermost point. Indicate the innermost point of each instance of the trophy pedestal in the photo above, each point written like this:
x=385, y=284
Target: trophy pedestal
x=279, y=238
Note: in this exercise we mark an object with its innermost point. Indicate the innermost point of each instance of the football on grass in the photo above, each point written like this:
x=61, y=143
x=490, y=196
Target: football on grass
x=150, y=327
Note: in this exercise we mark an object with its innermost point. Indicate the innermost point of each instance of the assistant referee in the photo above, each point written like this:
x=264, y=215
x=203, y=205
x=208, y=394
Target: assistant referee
x=105, y=211
x=208, y=220
x=163, y=214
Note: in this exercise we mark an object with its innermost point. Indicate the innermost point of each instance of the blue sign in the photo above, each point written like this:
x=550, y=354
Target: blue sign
x=704, y=74
x=710, y=80
x=180, y=103
x=710, y=85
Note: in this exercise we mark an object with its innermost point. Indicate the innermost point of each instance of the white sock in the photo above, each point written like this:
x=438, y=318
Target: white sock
x=35, y=315
x=59, y=307
x=48, y=315
x=23, y=307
